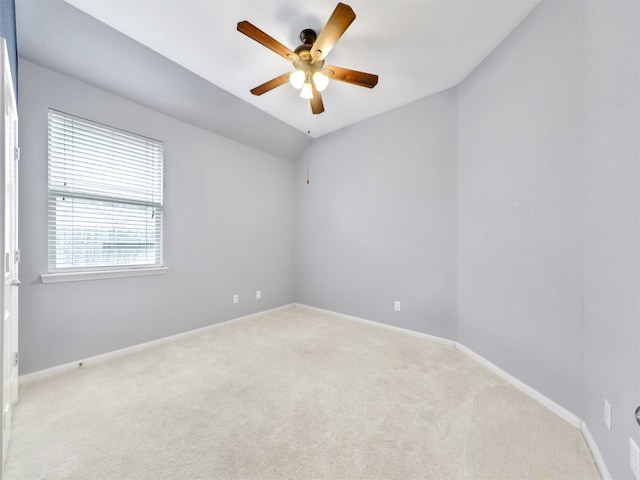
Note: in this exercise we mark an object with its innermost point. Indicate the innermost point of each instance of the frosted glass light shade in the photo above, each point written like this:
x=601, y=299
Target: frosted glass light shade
x=307, y=91
x=321, y=81
x=297, y=79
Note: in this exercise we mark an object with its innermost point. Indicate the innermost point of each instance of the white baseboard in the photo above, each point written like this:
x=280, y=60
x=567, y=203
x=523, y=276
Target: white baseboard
x=546, y=402
x=30, y=377
x=384, y=326
x=595, y=452
x=562, y=412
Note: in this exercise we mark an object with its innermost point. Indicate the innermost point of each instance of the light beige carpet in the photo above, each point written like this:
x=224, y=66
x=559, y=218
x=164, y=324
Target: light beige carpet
x=290, y=394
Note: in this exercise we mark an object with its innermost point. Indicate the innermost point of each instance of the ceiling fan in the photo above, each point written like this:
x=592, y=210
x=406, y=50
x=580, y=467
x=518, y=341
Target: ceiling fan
x=310, y=75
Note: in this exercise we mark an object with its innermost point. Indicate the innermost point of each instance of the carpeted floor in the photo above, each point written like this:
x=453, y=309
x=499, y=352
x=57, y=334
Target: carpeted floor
x=291, y=394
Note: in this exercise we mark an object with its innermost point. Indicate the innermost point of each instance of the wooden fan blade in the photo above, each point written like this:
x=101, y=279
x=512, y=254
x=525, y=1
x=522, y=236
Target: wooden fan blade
x=354, y=77
x=339, y=21
x=271, y=84
x=259, y=36
x=316, y=102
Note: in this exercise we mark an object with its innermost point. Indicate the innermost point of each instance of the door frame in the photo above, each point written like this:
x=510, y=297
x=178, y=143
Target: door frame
x=9, y=156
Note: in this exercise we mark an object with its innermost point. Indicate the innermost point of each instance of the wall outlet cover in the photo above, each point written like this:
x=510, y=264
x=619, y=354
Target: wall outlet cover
x=607, y=414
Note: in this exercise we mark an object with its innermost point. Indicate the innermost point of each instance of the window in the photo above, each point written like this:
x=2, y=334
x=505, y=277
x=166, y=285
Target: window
x=105, y=197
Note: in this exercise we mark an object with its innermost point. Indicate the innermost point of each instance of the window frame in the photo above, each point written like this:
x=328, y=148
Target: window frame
x=107, y=197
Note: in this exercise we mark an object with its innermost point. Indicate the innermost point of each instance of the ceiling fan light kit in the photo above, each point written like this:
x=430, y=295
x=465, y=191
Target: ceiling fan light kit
x=297, y=79
x=310, y=75
x=306, y=91
x=321, y=81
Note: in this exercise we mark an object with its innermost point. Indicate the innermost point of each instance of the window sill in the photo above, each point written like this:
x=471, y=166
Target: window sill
x=101, y=274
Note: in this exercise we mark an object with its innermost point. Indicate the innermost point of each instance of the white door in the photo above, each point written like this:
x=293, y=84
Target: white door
x=11, y=254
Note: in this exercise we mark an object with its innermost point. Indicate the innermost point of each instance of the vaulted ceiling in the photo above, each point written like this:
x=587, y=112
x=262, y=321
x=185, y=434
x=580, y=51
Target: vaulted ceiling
x=416, y=47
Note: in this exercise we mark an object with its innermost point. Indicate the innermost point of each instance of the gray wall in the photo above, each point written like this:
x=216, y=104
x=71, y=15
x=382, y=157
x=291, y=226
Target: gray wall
x=548, y=287
x=548, y=209
x=612, y=237
x=520, y=205
x=377, y=222
x=503, y=214
x=228, y=229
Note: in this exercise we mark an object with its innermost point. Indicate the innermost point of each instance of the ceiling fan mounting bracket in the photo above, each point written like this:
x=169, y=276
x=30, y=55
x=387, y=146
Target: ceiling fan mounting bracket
x=308, y=36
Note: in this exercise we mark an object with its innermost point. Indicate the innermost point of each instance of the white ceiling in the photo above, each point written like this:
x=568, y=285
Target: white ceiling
x=416, y=47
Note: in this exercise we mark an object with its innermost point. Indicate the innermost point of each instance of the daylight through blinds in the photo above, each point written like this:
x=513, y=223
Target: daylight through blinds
x=105, y=196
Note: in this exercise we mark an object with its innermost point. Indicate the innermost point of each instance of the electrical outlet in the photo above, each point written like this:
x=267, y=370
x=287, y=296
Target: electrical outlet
x=634, y=458
x=396, y=306
x=258, y=294
x=236, y=299
x=607, y=414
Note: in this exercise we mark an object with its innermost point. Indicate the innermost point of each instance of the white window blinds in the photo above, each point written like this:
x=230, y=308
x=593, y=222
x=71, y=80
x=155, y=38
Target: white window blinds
x=105, y=196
